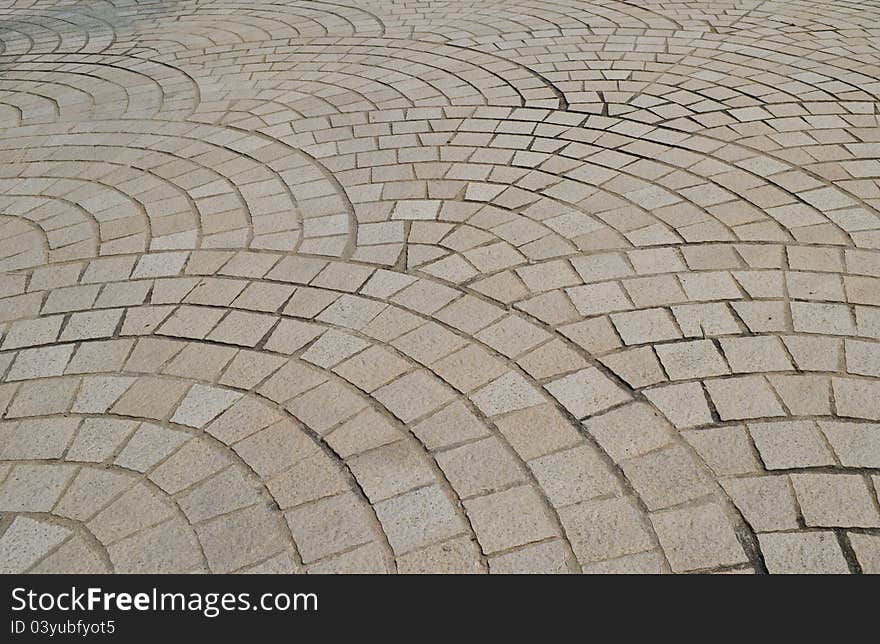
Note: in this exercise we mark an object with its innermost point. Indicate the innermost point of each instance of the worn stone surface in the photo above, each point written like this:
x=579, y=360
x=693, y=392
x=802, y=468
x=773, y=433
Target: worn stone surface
x=463, y=287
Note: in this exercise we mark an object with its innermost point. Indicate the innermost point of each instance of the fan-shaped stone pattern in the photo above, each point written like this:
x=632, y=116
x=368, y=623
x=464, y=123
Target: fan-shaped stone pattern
x=532, y=286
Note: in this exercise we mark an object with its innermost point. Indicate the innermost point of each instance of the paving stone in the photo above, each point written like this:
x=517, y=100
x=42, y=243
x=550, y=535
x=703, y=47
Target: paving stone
x=26, y=541
x=329, y=526
x=456, y=556
x=605, y=529
x=220, y=494
x=418, y=519
x=98, y=439
x=509, y=518
x=168, y=547
x=547, y=259
x=643, y=563
x=40, y=363
x=149, y=445
x=586, y=392
x=667, y=477
x=139, y=507
x=802, y=553
x=751, y=355
x=312, y=477
x=451, y=425
x=792, y=444
x=90, y=491
x=726, y=450
x=245, y=537
x=510, y=392
x=573, y=475
x=766, y=502
x=629, y=431
x=650, y=325
x=697, y=538
x=34, y=488
x=686, y=360
x=867, y=549
x=855, y=444
x=391, y=470
x=684, y=404
x=638, y=367
x=549, y=557
x=38, y=439
x=413, y=395
x=745, y=397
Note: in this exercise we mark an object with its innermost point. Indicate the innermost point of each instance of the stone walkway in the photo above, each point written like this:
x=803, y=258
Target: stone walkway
x=472, y=286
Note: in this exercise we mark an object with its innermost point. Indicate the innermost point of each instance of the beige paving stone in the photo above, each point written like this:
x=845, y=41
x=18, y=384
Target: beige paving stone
x=233, y=541
x=802, y=553
x=220, y=494
x=586, y=392
x=697, y=538
x=456, y=556
x=803, y=395
x=451, y=425
x=629, y=431
x=413, y=395
x=150, y=397
x=643, y=563
x=312, y=477
x=90, y=325
x=418, y=519
x=139, y=507
x=549, y=557
x=329, y=526
x=409, y=292
x=867, y=549
x=605, y=529
x=649, y=325
x=686, y=360
x=90, y=491
x=33, y=332
x=830, y=500
x=34, y=487
x=26, y=541
x=684, y=404
x=667, y=477
x=481, y=467
x=164, y=548
x=42, y=397
x=202, y=404
x=391, y=470
x=744, y=397
x=815, y=353
x=242, y=328
x=752, y=355
x=573, y=475
x=38, y=438
x=275, y=448
x=766, y=502
x=510, y=392
x=40, y=363
x=854, y=444
x=856, y=398
x=149, y=445
x=98, y=439
x=638, y=367
x=509, y=518
x=726, y=450
x=194, y=461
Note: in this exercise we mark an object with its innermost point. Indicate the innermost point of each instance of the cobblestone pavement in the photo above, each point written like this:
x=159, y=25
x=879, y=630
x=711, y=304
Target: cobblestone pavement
x=465, y=286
